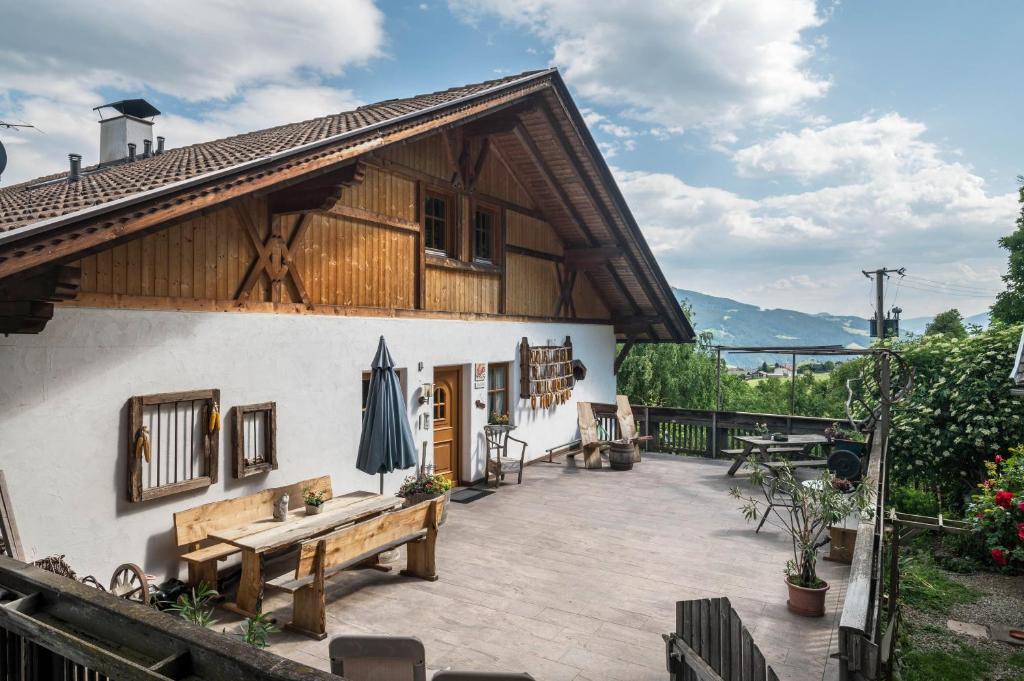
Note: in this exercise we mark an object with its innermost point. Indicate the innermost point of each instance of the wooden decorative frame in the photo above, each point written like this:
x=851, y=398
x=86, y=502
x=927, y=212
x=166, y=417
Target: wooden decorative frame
x=254, y=439
x=545, y=376
x=184, y=450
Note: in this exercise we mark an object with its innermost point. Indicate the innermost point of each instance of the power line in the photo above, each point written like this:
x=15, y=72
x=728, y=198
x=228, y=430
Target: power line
x=960, y=287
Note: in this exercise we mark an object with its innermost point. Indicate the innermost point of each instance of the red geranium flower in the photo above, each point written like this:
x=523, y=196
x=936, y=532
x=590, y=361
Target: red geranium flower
x=999, y=459
x=999, y=557
x=1021, y=505
x=1004, y=498
x=1020, y=531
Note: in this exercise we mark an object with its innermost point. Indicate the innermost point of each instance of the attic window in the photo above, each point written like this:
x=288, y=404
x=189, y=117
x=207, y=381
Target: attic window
x=435, y=223
x=483, y=235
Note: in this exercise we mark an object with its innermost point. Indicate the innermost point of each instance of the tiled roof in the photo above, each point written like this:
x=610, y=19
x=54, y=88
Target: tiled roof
x=52, y=196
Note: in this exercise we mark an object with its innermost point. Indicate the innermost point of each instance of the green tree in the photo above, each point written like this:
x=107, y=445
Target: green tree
x=1009, y=305
x=960, y=413
x=950, y=323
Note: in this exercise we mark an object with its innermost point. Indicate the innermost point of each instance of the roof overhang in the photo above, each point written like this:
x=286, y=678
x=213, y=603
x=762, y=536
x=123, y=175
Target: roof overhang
x=648, y=311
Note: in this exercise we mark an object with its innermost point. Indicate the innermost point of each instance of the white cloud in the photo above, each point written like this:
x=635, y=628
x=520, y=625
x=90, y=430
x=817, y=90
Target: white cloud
x=677, y=63
x=242, y=66
x=192, y=49
x=882, y=193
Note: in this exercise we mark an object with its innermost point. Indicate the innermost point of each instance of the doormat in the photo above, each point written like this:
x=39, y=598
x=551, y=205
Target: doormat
x=469, y=495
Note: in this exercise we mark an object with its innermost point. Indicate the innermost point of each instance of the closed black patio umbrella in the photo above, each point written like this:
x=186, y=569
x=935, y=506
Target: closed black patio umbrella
x=386, y=442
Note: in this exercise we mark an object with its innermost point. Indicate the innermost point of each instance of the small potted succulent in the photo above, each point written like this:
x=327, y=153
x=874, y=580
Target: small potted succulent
x=314, y=500
x=426, y=485
x=816, y=505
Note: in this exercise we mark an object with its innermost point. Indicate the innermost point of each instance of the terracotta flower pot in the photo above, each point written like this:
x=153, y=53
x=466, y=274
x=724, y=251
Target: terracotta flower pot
x=806, y=602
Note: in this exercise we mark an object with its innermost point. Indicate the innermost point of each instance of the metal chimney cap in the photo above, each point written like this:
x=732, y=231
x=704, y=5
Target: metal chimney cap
x=137, y=108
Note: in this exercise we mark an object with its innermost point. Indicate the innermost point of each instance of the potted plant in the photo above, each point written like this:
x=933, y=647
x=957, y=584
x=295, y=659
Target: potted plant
x=497, y=419
x=426, y=485
x=814, y=505
x=840, y=438
x=314, y=501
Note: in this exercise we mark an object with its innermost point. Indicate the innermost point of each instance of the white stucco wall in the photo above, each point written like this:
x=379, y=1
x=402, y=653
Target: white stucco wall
x=63, y=397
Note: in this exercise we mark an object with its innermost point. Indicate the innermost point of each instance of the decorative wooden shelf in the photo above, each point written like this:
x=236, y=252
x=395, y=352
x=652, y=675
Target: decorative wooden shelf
x=545, y=376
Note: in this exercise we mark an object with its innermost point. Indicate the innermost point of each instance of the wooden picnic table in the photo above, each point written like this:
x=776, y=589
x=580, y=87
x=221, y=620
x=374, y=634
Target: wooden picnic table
x=257, y=538
x=765, y=446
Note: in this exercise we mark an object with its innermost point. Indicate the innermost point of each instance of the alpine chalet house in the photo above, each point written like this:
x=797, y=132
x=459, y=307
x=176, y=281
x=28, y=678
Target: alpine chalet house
x=254, y=275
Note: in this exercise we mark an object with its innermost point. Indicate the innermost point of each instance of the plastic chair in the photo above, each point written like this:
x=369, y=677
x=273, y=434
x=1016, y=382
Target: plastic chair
x=378, y=658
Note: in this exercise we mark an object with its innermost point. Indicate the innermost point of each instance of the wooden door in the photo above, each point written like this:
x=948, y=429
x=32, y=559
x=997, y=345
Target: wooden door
x=447, y=408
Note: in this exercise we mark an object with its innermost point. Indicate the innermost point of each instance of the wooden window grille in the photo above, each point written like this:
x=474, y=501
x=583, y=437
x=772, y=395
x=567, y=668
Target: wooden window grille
x=172, y=447
x=435, y=223
x=546, y=377
x=254, y=443
x=497, y=389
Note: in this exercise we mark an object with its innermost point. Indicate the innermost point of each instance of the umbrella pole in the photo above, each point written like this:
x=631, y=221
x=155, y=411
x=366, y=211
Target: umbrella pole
x=382, y=483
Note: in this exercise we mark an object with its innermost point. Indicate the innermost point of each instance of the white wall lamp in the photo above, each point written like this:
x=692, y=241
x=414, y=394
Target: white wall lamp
x=426, y=390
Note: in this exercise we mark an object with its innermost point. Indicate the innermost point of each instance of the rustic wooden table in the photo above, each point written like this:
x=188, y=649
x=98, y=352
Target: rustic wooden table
x=763, y=445
x=262, y=536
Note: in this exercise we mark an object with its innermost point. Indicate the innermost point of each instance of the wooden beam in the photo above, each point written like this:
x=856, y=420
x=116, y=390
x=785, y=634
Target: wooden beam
x=499, y=123
x=8, y=526
x=453, y=152
x=623, y=353
x=531, y=253
x=373, y=218
x=319, y=193
x=591, y=258
x=610, y=224
x=478, y=165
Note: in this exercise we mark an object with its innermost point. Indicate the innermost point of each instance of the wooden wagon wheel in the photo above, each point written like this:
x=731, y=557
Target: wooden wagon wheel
x=129, y=582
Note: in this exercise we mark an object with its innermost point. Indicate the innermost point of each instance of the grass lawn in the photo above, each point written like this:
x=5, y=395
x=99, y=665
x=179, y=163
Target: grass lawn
x=930, y=596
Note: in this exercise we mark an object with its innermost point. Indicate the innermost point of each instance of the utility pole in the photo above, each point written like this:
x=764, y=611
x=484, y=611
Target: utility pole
x=880, y=276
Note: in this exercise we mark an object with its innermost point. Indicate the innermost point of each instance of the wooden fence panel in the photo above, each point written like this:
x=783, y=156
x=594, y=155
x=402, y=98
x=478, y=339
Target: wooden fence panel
x=711, y=644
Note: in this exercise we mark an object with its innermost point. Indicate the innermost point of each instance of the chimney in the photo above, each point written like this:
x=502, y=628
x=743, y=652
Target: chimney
x=131, y=152
x=75, y=171
x=147, y=148
x=159, y=144
x=122, y=124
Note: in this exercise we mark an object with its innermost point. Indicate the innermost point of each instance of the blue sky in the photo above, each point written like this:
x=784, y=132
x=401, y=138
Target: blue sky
x=770, y=151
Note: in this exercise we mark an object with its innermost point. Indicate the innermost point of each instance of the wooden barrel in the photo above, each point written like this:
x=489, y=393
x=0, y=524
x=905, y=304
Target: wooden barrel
x=620, y=455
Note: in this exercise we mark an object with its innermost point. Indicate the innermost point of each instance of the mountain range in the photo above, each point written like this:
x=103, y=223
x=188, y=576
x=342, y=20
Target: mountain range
x=741, y=324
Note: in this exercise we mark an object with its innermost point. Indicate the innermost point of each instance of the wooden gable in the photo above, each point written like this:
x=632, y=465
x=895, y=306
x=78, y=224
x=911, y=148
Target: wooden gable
x=337, y=225
x=361, y=251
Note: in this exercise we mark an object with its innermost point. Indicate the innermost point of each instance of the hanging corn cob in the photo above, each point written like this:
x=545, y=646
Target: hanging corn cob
x=142, y=445
x=214, y=424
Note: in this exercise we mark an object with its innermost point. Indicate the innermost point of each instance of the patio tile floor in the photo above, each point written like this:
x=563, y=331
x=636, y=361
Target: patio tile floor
x=575, y=574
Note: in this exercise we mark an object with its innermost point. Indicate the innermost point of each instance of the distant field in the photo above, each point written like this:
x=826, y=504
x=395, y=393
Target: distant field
x=817, y=377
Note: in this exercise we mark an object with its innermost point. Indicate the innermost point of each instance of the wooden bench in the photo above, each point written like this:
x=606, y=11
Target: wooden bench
x=322, y=557
x=192, y=526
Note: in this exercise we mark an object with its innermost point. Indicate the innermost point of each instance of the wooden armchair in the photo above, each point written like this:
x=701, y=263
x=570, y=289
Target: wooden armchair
x=498, y=460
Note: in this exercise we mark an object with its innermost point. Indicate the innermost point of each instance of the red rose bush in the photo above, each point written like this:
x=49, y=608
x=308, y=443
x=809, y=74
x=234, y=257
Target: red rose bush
x=997, y=510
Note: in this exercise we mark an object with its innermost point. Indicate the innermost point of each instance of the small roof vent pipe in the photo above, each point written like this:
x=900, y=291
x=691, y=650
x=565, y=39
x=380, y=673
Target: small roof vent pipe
x=75, y=170
x=131, y=152
x=147, y=148
x=159, y=144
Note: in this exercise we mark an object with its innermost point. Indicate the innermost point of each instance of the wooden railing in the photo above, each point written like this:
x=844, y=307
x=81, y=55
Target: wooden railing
x=706, y=433
x=864, y=648
x=52, y=628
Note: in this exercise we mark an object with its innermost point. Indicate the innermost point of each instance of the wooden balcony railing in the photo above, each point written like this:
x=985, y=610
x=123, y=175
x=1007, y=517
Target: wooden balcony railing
x=54, y=628
x=865, y=646
x=706, y=433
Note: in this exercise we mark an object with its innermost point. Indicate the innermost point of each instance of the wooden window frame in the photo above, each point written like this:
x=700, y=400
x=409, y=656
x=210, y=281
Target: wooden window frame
x=507, y=366
x=210, y=444
x=451, y=246
x=496, y=233
x=241, y=468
